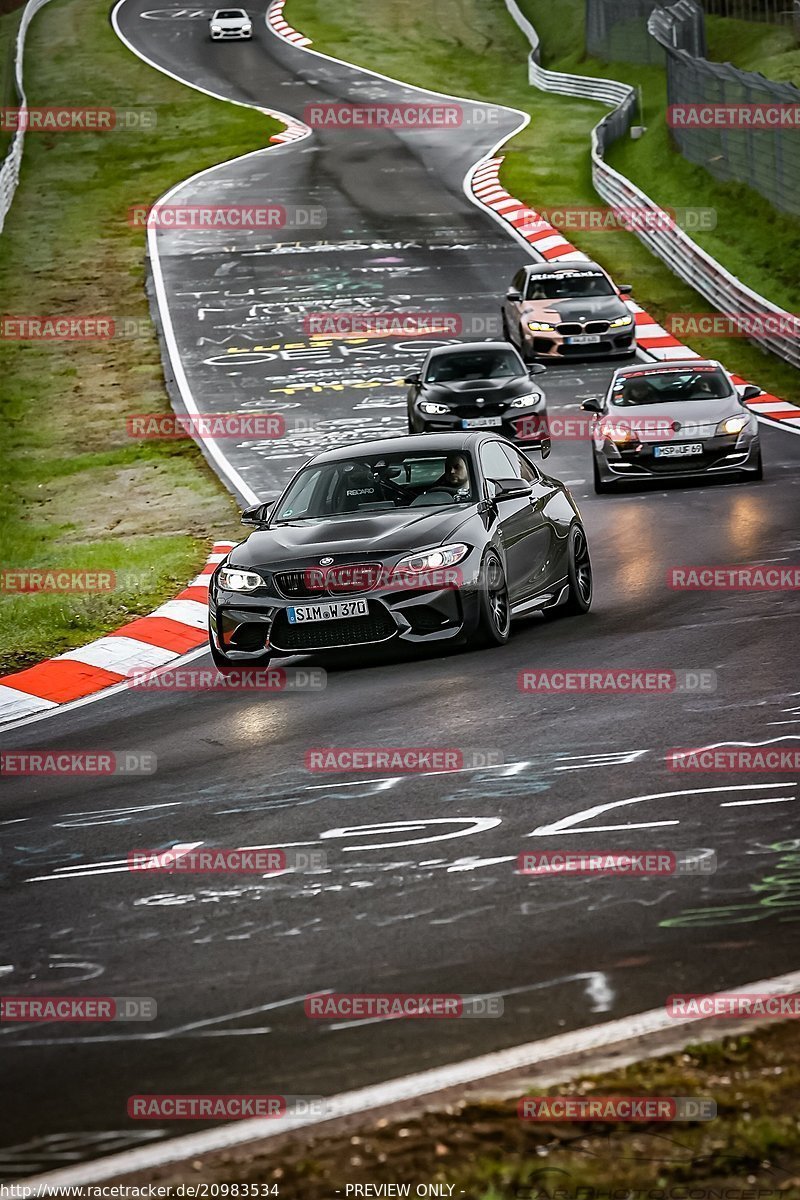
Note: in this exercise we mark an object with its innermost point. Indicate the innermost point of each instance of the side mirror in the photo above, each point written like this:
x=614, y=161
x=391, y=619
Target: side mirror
x=624, y=289
x=748, y=392
x=513, y=294
x=592, y=404
x=536, y=368
x=510, y=489
x=257, y=514
x=543, y=447
x=413, y=378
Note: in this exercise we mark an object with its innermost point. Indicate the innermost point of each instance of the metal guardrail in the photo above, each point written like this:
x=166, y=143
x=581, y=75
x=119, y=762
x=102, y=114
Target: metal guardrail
x=10, y=168
x=682, y=255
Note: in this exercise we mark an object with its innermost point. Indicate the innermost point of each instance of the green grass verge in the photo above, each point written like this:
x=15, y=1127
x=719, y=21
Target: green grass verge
x=482, y=1151
x=78, y=491
x=475, y=50
x=753, y=241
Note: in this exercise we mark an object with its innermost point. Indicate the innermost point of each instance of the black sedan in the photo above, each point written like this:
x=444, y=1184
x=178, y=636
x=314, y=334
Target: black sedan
x=411, y=539
x=478, y=385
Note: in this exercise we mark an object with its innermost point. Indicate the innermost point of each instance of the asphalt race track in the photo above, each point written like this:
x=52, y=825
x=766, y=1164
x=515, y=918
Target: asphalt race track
x=419, y=893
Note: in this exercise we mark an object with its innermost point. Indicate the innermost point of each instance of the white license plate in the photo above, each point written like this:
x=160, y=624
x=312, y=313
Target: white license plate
x=681, y=450
x=300, y=613
x=481, y=422
x=584, y=339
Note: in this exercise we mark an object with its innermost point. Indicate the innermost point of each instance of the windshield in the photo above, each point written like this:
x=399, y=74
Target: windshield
x=568, y=284
x=473, y=364
x=380, y=482
x=664, y=386
x=228, y=14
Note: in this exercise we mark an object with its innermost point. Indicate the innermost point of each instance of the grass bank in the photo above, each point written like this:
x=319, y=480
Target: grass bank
x=78, y=492
x=475, y=50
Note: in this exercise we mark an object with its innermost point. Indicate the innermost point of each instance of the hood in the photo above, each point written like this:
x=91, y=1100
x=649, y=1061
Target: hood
x=467, y=391
x=699, y=417
x=588, y=308
x=351, y=537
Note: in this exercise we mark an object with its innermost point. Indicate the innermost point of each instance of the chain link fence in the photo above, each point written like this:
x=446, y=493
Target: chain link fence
x=732, y=122
x=616, y=30
x=775, y=12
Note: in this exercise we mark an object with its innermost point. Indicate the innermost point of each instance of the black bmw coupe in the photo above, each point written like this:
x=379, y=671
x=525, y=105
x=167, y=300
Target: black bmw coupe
x=420, y=539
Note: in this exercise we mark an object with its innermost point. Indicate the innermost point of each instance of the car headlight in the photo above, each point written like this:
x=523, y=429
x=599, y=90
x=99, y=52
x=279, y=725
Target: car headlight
x=619, y=434
x=620, y=322
x=232, y=579
x=733, y=424
x=526, y=401
x=247, y=28
x=540, y=327
x=434, y=560
x=428, y=406
x=216, y=29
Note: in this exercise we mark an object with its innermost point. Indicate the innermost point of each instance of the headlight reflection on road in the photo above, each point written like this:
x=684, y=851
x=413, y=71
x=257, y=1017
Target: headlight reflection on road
x=637, y=541
x=748, y=527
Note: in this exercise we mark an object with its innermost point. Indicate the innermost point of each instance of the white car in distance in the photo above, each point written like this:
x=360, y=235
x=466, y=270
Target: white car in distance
x=230, y=23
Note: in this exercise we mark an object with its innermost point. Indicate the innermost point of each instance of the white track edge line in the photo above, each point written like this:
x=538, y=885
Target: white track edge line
x=408, y=1087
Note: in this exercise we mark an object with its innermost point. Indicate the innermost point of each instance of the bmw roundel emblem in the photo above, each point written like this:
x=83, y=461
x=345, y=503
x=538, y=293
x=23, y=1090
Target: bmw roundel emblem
x=325, y=562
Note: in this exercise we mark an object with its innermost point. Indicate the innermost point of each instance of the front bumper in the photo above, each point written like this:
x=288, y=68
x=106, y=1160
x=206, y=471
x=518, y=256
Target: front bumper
x=232, y=35
x=612, y=344
x=725, y=454
x=251, y=628
x=516, y=425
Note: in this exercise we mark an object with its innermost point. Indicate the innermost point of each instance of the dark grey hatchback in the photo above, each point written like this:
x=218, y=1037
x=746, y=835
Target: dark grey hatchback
x=418, y=540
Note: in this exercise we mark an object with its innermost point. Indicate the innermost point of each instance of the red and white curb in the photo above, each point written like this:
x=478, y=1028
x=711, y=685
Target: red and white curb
x=548, y=242
x=176, y=627
x=276, y=22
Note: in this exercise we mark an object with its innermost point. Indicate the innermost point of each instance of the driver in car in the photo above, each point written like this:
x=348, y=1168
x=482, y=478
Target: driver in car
x=455, y=477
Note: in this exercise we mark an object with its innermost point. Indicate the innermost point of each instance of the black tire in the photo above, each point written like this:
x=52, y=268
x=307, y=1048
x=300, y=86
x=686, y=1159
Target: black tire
x=506, y=330
x=600, y=486
x=494, y=622
x=579, y=574
x=759, y=471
